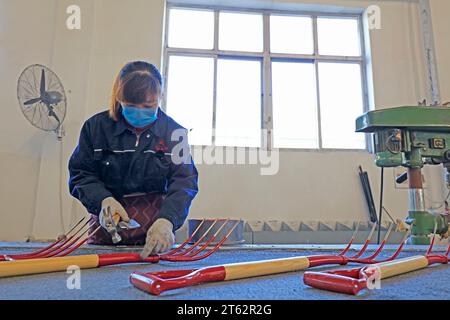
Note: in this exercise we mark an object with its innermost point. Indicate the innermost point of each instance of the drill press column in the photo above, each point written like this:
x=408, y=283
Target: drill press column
x=420, y=220
x=416, y=195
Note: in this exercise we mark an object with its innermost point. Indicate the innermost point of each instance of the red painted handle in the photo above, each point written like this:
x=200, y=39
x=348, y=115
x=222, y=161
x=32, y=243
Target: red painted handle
x=437, y=258
x=321, y=260
x=334, y=282
x=169, y=274
x=158, y=282
x=108, y=259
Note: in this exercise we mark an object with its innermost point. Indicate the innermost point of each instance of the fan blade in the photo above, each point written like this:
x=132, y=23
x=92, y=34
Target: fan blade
x=32, y=101
x=42, y=82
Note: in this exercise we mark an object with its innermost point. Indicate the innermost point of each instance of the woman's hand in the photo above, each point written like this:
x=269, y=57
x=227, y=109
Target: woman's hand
x=160, y=238
x=114, y=207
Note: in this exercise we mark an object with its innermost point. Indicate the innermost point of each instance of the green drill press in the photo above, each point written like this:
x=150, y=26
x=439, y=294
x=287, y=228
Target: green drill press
x=412, y=136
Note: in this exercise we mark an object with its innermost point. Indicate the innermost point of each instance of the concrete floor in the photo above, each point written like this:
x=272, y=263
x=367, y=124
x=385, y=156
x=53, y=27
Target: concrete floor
x=112, y=282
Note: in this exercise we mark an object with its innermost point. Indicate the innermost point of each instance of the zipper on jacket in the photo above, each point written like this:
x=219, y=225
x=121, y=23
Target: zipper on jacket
x=138, y=137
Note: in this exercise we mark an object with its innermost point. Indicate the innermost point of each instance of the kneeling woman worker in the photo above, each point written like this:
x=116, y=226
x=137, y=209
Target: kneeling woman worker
x=125, y=163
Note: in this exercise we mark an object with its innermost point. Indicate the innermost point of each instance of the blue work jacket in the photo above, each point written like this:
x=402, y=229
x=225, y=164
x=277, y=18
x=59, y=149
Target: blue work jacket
x=111, y=160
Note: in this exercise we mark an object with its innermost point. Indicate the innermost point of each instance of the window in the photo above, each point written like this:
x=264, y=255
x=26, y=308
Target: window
x=186, y=34
x=291, y=34
x=232, y=74
x=238, y=115
x=341, y=103
x=189, y=95
x=240, y=32
x=338, y=37
x=294, y=97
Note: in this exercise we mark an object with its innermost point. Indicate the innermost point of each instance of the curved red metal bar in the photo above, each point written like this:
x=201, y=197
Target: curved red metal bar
x=192, y=257
x=161, y=282
x=366, y=243
x=188, y=240
x=371, y=260
x=201, y=239
x=351, y=241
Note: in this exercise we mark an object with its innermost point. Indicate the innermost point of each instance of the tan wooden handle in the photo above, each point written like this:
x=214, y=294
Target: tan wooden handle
x=400, y=266
x=36, y=266
x=116, y=218
x=261, y=268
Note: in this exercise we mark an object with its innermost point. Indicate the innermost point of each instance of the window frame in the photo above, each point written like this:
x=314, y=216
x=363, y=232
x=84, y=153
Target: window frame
x=266, y=57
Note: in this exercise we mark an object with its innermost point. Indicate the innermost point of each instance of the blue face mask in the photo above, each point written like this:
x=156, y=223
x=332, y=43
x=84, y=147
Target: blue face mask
x=139, y=117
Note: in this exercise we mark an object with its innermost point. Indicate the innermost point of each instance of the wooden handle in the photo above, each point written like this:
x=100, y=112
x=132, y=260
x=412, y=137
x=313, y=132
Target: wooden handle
x=116, y=218
x=262, y=268
x=158, y=282
x=36, y=266
x=400, y=266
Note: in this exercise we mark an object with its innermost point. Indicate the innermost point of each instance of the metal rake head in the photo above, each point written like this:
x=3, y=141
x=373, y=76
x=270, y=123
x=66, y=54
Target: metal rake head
x=371, y=259
x=63, y=246
x=197, y=250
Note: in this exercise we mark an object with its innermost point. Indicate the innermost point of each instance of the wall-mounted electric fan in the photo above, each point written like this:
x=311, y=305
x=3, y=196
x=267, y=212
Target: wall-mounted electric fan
x=42, y=98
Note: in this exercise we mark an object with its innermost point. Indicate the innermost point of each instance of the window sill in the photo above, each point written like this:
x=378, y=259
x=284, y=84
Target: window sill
x=323, y=150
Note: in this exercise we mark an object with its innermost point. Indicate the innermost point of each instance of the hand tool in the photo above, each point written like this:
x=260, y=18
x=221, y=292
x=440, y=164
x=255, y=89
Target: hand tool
x=352, y=281
x=114, y=225
x=33, y=265
x=157, y=282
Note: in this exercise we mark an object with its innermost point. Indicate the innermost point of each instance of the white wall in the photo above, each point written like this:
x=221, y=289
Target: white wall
x=86, y=60
x=441, y=27
x=310, y=185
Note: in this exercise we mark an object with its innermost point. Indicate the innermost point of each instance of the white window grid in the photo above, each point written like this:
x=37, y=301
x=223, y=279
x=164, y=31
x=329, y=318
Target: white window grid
x=266, y=57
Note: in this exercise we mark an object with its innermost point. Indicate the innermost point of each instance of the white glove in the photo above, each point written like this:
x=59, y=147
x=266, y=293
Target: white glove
x=114, y=207
x=160, y=238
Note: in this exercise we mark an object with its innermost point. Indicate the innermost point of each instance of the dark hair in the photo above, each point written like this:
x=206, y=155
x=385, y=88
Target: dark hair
x=134, y=82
